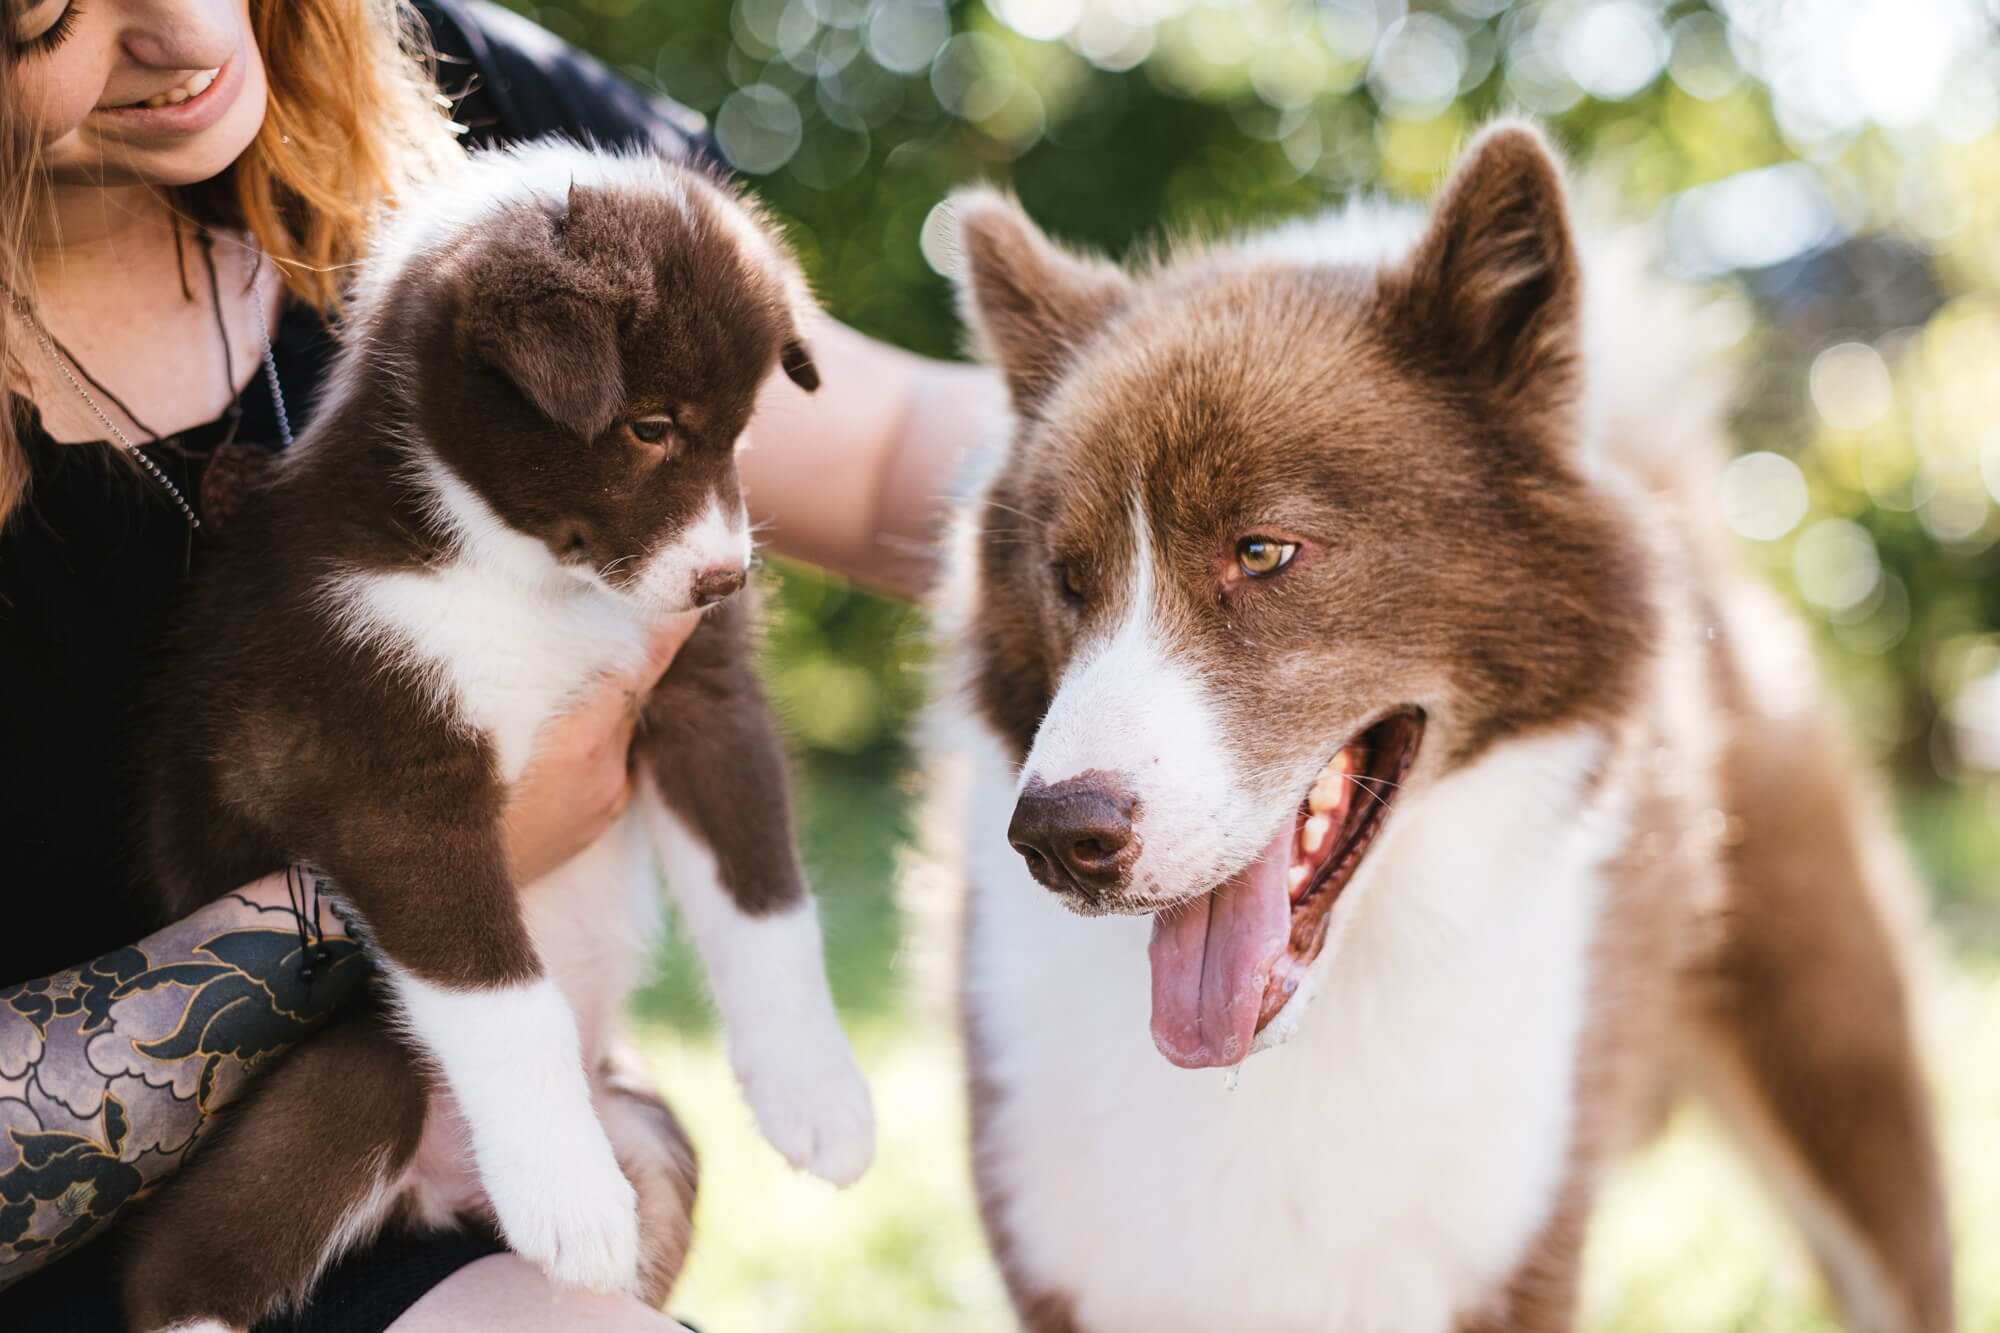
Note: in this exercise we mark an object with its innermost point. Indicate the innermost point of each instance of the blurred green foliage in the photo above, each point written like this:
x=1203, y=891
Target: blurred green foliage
x=1833, y=168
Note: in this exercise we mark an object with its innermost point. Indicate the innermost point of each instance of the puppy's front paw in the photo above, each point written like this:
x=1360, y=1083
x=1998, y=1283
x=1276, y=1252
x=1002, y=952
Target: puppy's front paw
x=564, y=1204
x=812, y=1104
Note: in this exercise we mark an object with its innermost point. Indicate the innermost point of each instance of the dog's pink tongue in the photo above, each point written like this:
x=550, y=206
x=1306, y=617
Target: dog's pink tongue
x=1212, y=958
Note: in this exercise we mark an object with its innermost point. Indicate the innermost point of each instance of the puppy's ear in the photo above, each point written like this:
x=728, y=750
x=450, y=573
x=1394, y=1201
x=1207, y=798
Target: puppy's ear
x=543, y=320
x=1030, y=303
x=793, y=304
x=1495, y=287
x=562, y=354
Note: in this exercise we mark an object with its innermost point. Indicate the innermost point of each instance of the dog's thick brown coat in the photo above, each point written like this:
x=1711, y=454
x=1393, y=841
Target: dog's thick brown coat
x=1429, y=415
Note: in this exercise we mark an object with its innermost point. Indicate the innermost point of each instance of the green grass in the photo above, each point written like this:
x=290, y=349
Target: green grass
x=778, y=1250
x=1685, y=1242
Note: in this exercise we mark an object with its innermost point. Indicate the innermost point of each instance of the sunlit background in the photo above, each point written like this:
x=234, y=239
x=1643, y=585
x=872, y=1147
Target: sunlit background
x=1829, y=169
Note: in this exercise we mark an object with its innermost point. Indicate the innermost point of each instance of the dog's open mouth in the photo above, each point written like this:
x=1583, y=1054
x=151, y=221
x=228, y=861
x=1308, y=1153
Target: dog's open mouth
x=1227, y=963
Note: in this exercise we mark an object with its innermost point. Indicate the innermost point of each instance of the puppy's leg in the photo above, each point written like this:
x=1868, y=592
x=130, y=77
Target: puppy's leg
x=304, y=1170
x=1803, y=1041
x=418, y=852
x=722, y=822
x=660, y=1162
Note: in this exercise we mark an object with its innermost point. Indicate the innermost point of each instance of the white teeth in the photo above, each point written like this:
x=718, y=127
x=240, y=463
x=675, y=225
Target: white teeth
x=1331, y=789
x=196, y=85
x=1295, y=879
x=1313, y=836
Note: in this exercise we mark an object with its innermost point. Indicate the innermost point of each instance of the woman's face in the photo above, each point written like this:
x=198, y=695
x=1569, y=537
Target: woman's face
x=136, y=92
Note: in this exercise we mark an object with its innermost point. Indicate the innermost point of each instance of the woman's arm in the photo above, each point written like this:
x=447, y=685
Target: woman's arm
x=111, y=1071
x=855, y=477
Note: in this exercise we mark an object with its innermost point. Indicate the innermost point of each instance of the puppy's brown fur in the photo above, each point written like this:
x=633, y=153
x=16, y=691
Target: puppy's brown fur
x=512, y=352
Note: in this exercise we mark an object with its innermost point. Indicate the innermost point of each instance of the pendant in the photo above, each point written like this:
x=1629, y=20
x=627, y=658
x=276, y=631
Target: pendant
x=234, y=472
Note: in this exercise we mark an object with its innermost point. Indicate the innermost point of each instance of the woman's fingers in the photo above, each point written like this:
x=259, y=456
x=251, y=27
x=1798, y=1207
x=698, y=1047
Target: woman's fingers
x=579, y=779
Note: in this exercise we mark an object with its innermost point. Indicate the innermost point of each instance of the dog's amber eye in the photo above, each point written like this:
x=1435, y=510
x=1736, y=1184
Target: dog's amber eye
x=1260, y=557
x=650, y=430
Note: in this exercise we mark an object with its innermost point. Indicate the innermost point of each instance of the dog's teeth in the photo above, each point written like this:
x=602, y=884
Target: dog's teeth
x=1331, y=788
x=1295, y=879
x=1314, y=835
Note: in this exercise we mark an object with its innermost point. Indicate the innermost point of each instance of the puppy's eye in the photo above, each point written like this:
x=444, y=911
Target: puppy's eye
x=1261, y=557
x=650, y=430
x=1068, y=585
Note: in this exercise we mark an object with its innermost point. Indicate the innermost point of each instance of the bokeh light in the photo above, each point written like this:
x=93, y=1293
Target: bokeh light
x=1836, y=564
x=1763, y=496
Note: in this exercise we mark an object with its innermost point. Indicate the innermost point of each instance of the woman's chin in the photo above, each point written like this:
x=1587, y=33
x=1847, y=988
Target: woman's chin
x=109, y=155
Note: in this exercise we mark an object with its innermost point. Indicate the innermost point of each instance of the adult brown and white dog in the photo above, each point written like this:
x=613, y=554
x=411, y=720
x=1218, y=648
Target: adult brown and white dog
x=1354, y=696
x=527, y=458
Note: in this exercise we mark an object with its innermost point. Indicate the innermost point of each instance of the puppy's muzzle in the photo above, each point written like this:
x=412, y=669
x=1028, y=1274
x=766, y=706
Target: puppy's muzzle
x=1078, y=836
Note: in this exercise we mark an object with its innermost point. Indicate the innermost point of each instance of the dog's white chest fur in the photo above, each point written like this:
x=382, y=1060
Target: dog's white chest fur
x=1383, y=1170
x=508, y=662
x=504, y=637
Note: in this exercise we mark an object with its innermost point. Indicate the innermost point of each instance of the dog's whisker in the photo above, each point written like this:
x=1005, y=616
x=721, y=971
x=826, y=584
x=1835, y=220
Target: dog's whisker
x=1009, y=509
x=1370, y=790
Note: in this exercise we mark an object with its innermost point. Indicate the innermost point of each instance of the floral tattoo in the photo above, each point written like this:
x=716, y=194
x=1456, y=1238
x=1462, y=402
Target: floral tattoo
x=111, y=1072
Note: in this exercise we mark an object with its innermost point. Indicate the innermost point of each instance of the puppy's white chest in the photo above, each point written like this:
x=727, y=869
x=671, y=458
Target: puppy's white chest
x=1383, y=1170
x=501, y=655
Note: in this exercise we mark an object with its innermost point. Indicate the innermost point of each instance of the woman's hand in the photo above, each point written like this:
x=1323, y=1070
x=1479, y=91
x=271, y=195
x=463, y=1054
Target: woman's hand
x=112, y=1070
x=580, y=779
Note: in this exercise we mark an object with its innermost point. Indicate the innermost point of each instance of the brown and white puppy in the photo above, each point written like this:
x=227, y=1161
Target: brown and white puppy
x=1341, y=690
x=527, y=459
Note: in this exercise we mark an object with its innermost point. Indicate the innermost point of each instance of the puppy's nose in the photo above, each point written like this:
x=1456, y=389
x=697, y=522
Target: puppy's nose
x=1076, y=835
x=712, y=585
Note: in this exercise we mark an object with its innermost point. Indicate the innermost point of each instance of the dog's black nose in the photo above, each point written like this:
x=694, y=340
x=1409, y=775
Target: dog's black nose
x=712, y=585
x=1076, y=835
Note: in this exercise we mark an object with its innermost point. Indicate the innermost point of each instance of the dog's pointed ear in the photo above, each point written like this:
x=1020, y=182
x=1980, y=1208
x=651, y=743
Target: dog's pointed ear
x=1030, y=303
x=1495, y=286
x=536, y=315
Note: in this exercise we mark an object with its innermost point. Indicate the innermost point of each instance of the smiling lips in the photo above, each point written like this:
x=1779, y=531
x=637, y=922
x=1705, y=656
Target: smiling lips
x=1225, y=964
x=187, y=90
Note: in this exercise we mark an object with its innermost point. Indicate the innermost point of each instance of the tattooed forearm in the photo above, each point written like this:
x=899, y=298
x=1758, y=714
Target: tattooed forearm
x=110, y=1071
